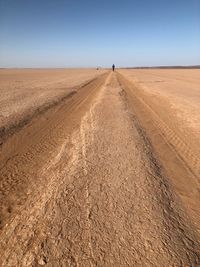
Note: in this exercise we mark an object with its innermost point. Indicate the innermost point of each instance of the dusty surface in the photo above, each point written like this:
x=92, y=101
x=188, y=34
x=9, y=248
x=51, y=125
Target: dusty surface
x=167, y=104
x=25, y=92
x=179, y=88
x=89, y=184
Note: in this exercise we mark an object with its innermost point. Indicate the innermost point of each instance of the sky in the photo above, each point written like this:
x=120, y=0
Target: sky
x=91, y=33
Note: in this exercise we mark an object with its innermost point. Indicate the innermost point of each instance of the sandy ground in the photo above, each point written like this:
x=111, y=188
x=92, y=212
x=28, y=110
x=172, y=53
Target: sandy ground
x=104, y=178
x=167, y=104
x=180, y=88
x=25, y=92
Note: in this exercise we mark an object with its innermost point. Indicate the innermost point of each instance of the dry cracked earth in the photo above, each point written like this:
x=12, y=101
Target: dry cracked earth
x=105, y=176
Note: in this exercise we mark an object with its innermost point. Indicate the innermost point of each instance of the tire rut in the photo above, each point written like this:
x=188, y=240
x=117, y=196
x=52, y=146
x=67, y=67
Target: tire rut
x=181, y=161
x=24, y=154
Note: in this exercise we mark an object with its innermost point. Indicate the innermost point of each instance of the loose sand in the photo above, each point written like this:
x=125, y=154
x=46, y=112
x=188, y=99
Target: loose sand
x=105, y=176
x=25, y=92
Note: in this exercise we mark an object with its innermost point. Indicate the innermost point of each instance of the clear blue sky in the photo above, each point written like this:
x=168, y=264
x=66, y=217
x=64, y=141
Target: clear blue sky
x=84, y=33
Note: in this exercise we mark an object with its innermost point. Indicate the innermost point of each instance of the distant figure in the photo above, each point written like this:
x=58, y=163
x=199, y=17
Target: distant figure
x=113, y=67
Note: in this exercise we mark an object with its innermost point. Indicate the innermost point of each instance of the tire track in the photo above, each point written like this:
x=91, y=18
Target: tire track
x=183, y=150
x=179, y=159
x=25, y=153
x=136, y=219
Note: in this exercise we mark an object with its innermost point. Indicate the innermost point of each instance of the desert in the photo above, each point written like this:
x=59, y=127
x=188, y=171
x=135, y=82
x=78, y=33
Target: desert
x=99, y=167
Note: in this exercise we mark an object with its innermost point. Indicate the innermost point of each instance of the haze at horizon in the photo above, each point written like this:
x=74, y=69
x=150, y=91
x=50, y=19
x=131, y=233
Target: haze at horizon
x=99, y=33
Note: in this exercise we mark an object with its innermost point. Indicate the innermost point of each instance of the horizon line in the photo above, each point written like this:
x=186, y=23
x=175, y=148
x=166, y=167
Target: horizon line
x=102, y=67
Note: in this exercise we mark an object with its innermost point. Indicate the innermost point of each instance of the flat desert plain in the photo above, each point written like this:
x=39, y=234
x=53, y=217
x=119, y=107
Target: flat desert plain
x=99, y=168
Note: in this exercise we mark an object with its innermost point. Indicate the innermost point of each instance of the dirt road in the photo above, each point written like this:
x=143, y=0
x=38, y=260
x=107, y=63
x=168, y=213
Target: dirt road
x=85, y=184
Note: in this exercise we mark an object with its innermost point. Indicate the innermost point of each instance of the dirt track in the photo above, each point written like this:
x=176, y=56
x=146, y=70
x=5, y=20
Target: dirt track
x=99, y=179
